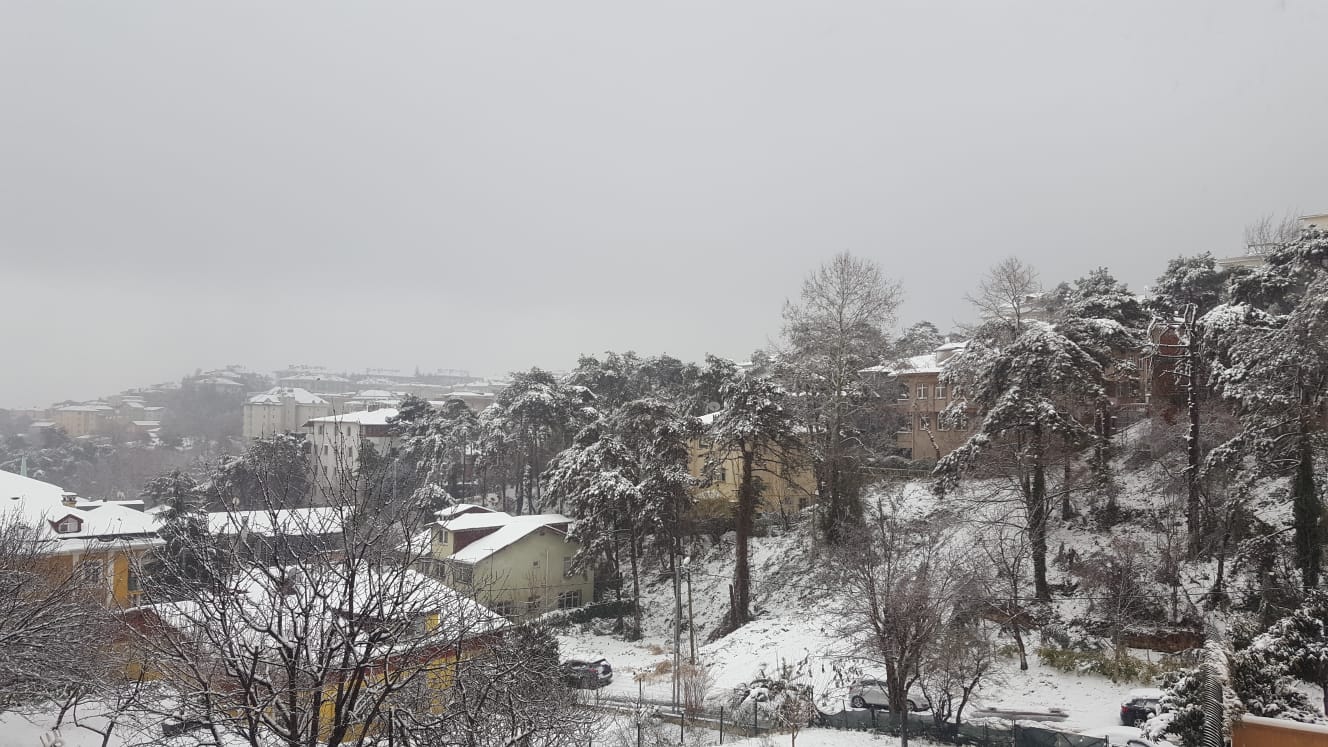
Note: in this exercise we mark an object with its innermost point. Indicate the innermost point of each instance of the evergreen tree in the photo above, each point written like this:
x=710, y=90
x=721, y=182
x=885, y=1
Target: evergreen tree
x=188, y=557
x=1020, y=392
x=757, y=430
x=920, y=338
x=1274, y=367
x=625, y=477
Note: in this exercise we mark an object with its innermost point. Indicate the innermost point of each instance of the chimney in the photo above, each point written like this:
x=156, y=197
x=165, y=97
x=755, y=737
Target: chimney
x=68, y=499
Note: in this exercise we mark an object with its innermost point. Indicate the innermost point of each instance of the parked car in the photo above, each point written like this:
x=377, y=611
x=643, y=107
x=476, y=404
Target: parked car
x=871, y=693
x=587, y=674
x=1140, y=705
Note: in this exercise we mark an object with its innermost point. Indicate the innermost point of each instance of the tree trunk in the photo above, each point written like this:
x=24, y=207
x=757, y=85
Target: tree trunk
x=1037, y=519
x=1019, y=644
x=1193, y=453
x=743, y=531
x=1307, y=513
x=636, y=588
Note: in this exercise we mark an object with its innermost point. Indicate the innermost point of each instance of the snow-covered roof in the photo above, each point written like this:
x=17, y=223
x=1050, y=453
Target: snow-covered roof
x=39, y=503
x=510, y=530
x=287, y=521
x=375, y=394
x=363, y=417
x=318, y=596
x=147, y=423
x=85, y=408
x=278, y=394
x=42, y=424
x=445, y=514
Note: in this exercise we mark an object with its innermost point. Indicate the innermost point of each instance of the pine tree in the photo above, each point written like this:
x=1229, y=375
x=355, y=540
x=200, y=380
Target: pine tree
x=1273, y=366
x=188, y=557
x=1020, y=392
x=756, y=428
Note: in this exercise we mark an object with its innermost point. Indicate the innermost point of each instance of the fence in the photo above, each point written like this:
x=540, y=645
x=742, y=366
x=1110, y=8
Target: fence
x=983, y=735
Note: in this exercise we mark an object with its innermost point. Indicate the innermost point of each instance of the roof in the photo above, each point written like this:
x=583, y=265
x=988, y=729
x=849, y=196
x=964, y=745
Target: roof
x=146, y=423
x=85, y=408
x=288, y=521
x=363, y=417
x=376, y=394
x=318, y=596
x=513, y=529
x=278, y=394
x=37, y=503
x=444, y=514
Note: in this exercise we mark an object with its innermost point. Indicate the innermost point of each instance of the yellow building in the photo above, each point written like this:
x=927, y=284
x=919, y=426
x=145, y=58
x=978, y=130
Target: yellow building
x=789, y=485
x=517, y=566
x=98, y=541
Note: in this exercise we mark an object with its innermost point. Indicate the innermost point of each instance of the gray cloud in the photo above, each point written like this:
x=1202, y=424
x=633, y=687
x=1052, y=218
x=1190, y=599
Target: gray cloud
x=493, y=186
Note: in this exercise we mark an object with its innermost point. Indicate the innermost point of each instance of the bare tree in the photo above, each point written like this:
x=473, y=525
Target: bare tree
x=332, y=637
x=46, y=612
x=1004, y=293
x=1007, y=550
x=1269, y=232
x=835, y=330
x=903, y=581
x=960, y=663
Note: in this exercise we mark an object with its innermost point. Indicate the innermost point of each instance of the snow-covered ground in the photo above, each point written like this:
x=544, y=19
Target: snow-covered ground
x=797, y=620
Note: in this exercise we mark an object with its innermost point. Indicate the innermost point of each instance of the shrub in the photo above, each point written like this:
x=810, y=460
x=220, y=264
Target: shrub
x=1119, y=667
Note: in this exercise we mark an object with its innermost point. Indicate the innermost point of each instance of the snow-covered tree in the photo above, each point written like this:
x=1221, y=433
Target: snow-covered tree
x=626, y=479
x=1298, y=643
x=438, y=443
x=52, y=629
x=1274, y=367
x=532, y=419
x=756, y=428
x=918, y=338
x=1099, y=295
x=905, y=581
x=1188, y=281
x=347, y=644
x=834, y=330
x=189, y=555
x=272, y=469
x=1022, y=393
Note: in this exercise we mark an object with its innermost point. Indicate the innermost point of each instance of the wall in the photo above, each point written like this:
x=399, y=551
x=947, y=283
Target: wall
x=787, y=489
x=930, y=407
x=1254, y=731
x=531, y=567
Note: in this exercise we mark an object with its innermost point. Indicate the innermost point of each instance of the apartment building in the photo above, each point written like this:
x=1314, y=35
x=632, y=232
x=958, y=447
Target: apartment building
x=338, y=441
x=921, y=399
x=282, y=410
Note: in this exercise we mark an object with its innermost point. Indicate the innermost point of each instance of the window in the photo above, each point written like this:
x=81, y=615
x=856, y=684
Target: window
x=534, y=604
x=90, y=572
x=463, y=573
x=963, y=422
x=907, y=427
x=135, y=582
x=69, y=525
x=320, y=430
x=942, y=423
x=567, y=566
x=940, y=391
x=569, y=600
x=506, y=608
x=903, y=391
x=924, y=422
x=922, y=391
x=324, y=449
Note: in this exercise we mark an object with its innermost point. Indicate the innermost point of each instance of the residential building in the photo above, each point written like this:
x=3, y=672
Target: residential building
x=517, y=566
x=82, y=420
x=921, y=399
x=338, y=441
x=100, y=542
x=280, y=536
x=282, y=410
x=788, y=483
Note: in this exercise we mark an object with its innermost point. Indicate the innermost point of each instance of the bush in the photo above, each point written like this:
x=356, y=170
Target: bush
x=1120, y=668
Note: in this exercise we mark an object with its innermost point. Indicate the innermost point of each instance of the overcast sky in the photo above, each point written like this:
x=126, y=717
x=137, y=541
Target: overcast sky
x=492, y=186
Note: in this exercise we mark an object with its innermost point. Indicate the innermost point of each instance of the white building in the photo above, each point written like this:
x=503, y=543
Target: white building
x=339, y=440
x=282, y=410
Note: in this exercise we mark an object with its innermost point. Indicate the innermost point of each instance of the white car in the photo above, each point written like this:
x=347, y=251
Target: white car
x=870, y=693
